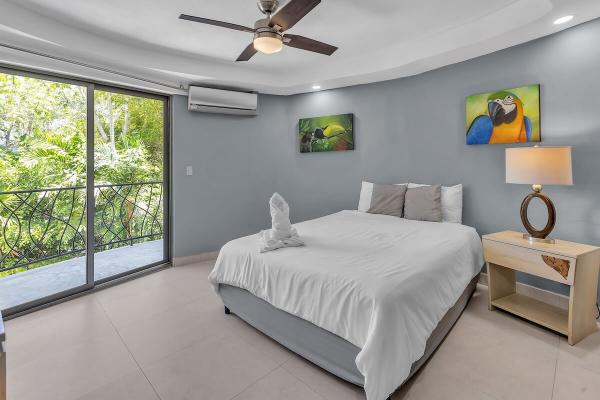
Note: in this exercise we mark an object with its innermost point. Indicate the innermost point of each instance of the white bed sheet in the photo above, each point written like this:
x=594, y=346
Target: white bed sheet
x=382, y=283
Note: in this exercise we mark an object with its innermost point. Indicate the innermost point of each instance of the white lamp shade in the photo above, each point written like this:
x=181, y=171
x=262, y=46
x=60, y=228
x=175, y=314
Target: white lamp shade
x=539, y=165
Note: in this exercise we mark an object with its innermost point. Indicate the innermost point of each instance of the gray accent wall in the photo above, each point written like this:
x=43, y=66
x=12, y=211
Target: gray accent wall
x=410, y=129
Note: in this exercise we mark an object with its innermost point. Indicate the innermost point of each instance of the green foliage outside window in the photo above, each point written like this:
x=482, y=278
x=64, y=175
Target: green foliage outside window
x=43, y=129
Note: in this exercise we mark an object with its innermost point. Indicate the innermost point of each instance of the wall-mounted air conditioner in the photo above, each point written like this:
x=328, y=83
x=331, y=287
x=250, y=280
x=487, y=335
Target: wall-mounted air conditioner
x=222, y=101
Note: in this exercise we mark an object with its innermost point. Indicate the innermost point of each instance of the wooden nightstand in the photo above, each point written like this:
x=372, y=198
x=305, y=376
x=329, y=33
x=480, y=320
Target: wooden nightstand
x=570, y=263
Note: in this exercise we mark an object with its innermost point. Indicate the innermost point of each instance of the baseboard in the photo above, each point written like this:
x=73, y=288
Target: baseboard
x=196, y=258
x=546, y=296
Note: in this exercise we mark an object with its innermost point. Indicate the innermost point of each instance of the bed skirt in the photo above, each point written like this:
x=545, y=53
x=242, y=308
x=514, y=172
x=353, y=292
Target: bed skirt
x=321, y=347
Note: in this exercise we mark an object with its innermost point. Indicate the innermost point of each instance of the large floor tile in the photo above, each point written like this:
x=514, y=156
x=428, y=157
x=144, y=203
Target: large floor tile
x=142, y=301
x=167, y=332
x=156, y=279
x=322, y=382
x=263, y=343
x=585, y=354
x=503, y=365
x=278, y=385
x=434, y=386
x=164, y=336
x=184, y=283
x=74, y=323
x=218, y=367
x=132, y=386
x=488, y=355
x=578, y=369
x=65, y=372
x=574, y=382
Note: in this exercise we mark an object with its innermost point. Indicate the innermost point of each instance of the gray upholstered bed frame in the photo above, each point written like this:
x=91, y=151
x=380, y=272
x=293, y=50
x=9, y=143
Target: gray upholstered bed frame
x=317, y=345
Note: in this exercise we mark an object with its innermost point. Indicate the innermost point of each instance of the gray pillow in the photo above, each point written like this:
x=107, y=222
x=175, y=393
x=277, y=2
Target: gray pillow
x=387, y=199
x=424, y=203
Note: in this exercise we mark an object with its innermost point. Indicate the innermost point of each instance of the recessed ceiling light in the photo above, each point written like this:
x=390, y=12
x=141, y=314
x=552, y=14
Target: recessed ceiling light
x=563, y=20
x=316, y=87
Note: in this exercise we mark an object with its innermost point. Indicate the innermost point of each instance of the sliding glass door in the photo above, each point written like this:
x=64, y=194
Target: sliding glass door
x=83, y=186
x=43, y=166
x=129, y=132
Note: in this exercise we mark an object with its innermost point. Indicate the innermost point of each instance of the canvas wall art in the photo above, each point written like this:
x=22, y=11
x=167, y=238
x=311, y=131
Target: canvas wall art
x=506, y=116
x=327, y=133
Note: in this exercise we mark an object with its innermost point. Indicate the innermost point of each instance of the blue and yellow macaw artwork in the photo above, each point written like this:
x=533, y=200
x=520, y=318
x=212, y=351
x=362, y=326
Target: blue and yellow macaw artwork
x=505, y=118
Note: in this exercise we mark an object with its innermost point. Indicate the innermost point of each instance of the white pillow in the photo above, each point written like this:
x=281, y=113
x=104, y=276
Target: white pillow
x=452, y=200
x=366, y=192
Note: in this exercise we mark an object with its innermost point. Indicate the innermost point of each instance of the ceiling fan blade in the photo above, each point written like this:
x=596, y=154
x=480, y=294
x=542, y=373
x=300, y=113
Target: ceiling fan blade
x=304, y=43
x=247, y=53
x=216, y=23
x=292, y=12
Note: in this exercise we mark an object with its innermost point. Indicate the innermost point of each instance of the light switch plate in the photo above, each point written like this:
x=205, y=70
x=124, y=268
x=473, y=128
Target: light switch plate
x=189, y=170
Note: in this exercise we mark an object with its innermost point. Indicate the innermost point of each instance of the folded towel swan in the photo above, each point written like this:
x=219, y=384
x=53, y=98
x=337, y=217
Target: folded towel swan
x=282, y=233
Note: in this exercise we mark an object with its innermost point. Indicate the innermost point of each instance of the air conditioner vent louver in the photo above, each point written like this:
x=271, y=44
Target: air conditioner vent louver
x=221, y=101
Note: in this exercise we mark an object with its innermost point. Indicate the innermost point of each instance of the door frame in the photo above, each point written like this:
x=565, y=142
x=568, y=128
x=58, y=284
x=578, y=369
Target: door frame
x=166, y=176
x=91, y=285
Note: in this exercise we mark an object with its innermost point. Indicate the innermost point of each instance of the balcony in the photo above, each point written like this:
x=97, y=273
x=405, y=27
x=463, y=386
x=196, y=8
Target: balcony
x=43, y=237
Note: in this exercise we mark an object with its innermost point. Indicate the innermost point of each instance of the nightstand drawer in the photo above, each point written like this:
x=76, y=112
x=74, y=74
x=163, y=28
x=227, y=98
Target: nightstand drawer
x=546, y=265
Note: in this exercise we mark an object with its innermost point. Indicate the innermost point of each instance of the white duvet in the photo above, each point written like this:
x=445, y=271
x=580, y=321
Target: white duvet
x=382, y=283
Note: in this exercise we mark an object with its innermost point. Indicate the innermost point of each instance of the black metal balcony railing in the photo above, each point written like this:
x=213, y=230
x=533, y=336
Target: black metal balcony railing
x=48, y=225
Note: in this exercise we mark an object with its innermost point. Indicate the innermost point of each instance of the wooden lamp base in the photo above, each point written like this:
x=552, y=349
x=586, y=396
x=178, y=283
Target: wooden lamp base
x=536, y=235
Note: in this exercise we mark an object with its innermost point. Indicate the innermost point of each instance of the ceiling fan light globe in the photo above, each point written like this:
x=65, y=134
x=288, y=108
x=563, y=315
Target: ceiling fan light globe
x=268, y=44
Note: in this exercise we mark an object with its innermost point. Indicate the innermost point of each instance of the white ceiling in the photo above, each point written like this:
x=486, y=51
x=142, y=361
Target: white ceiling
x=377, y=39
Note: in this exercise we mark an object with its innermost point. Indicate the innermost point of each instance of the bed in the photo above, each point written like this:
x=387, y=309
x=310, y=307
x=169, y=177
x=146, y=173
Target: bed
x=368, y=298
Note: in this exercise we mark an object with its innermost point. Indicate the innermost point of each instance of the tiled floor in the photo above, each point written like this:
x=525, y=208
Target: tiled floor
x=164, y=336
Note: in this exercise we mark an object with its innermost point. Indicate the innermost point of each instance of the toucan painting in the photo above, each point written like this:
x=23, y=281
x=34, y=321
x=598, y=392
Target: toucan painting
x=327, y=133
x=506, y=116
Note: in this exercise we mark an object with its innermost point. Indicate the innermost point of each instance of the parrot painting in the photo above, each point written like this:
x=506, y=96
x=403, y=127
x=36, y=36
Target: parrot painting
x=505, y=121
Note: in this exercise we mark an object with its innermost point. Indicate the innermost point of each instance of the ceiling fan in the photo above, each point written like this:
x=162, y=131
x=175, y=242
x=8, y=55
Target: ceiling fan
x=268, y=32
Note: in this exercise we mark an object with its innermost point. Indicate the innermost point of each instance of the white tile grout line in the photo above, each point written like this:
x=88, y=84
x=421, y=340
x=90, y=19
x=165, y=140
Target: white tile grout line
x=254, y=382
x=302, y=380
x=128, y=350
x=277, y=365
x=153, y=315
x=555, y=370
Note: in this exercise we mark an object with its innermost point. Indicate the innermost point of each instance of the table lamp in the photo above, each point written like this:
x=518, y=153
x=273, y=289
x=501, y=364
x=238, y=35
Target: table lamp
x=539, y=166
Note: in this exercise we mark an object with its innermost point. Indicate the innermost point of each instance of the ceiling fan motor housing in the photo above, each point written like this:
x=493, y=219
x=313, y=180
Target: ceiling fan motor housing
x=263, y=29
x=268, y=7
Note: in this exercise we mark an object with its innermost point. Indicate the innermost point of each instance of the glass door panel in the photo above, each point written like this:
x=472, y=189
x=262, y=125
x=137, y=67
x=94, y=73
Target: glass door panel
x=129, y=191
x=43, y=130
